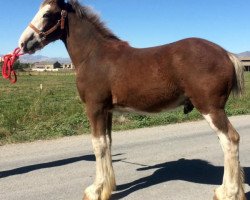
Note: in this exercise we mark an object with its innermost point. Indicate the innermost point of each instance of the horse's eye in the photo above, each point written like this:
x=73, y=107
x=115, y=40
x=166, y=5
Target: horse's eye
x=46, y=15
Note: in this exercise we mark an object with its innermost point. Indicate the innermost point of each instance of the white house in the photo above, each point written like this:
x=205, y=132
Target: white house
x=46, y=66
x=68, y=66
x=246, y=63
x=50, y=66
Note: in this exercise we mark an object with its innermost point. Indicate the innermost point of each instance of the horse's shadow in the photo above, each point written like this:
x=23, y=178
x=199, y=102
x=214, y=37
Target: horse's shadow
x=57, y=163
x=195, y=171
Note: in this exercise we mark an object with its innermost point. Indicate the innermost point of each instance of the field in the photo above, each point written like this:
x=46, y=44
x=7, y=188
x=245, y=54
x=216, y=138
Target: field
x=48, y=106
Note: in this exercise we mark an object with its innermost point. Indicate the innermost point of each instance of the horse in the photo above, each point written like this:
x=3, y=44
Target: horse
x=112, y=75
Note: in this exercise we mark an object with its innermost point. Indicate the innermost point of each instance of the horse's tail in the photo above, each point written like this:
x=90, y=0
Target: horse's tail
x=239, y=84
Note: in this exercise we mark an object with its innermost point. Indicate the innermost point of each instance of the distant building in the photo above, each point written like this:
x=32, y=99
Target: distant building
x=246, y=63
x=1, y=59
x=68, y=66
x=49, y=66
x=46, y=66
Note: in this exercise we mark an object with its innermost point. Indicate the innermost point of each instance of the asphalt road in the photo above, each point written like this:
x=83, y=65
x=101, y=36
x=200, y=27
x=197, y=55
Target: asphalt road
x=175, y=162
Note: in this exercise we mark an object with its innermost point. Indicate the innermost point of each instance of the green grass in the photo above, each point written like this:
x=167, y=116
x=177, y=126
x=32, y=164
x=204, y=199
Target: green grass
x=28, y=113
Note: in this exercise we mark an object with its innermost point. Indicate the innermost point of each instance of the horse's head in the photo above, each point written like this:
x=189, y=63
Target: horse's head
x=47, y=26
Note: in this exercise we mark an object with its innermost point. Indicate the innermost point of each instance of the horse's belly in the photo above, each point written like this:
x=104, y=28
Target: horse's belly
x=149, y=105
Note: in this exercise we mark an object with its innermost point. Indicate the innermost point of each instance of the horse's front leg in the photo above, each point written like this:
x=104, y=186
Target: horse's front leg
x=104, y=182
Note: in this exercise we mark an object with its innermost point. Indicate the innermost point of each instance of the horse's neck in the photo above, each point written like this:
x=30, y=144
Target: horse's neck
x=82, y=40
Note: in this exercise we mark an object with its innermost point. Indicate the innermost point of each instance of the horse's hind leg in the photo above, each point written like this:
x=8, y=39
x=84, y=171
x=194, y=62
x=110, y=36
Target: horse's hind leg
x=233, y=179
x=104, y=182
x=109, y=145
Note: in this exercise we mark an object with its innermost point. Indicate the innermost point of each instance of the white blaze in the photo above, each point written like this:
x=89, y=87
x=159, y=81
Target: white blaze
x=37, y=22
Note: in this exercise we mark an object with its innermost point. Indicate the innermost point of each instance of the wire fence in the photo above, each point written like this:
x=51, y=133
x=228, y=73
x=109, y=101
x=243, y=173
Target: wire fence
x=47, y=73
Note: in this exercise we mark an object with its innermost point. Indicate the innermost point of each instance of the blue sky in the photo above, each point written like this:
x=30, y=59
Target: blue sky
x=144, y=23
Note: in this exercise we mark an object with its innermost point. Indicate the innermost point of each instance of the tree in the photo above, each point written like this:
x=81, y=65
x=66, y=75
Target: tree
x=57, y=65
x=21, y=66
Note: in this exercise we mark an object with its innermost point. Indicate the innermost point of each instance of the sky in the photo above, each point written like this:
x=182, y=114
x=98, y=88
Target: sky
x=144, y=23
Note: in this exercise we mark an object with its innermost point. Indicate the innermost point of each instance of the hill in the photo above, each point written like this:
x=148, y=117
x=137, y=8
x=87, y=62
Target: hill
x=39, y=58
x=244, y=54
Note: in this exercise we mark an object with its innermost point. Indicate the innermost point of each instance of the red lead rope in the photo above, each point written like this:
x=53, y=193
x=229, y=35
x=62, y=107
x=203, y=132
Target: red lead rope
x=8, y=71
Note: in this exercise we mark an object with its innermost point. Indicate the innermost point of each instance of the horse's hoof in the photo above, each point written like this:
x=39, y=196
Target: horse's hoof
x=215, y=197
x=218, y=196
x=85, y=198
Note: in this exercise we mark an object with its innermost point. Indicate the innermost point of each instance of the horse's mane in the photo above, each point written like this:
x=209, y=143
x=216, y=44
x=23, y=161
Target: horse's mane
x=85, y=12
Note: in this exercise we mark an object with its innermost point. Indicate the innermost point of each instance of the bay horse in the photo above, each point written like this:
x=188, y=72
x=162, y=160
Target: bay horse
x=111, y=75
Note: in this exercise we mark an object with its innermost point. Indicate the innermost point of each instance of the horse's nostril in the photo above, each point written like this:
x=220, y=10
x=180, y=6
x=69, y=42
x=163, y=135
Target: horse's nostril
x=22, y=44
